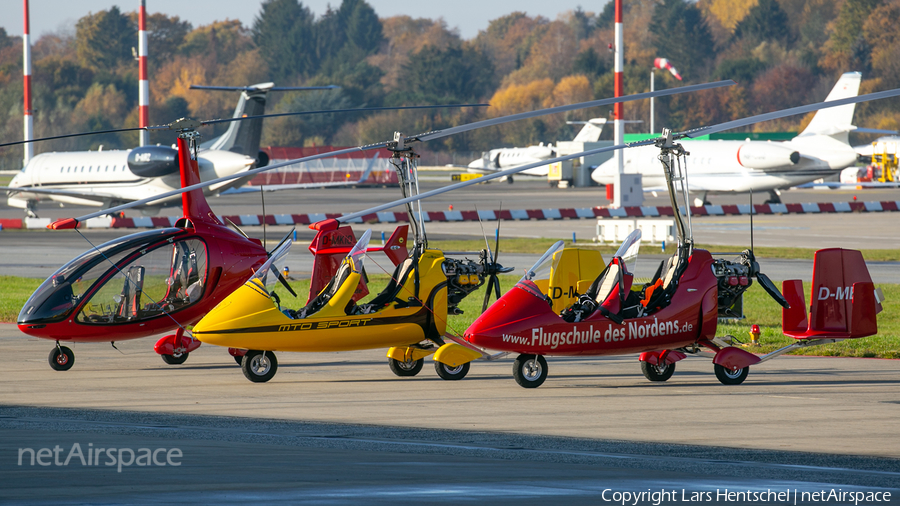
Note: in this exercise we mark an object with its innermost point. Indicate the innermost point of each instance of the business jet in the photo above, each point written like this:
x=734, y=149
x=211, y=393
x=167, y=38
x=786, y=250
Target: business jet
x=821, y=150
x=113, y=177
x=505, y=158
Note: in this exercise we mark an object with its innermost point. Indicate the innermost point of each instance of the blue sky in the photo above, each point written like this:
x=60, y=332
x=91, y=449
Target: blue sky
x=468, y=16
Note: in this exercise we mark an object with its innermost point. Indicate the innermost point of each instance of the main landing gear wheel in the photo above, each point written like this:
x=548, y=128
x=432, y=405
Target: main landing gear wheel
x=176, y=359
x=657, y=372
x=731, y=376
x=259, y=366
x=61, y=359
x=451, y=373
x=408, y=368
x=530, y=371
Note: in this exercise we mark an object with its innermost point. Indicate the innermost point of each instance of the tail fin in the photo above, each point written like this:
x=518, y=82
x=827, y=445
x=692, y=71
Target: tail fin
x=843, y=299
x=243, y=136
x=591, y=130
x=837, y=122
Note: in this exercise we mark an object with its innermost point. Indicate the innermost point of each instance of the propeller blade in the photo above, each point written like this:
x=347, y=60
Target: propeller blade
x=497, y=236
x=282, y=280
x=772, y=290
x=487, y=294
x=496, y=286
x=483, y=234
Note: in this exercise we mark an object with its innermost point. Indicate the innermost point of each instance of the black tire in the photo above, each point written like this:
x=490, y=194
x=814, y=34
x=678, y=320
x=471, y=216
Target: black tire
x=175, y=359
x=451, y=373
x=239, y=359
x=657, y=373
x=61, y=359
x=408, y=368
x=730, y=376
x=530, y=371
x=259, y=366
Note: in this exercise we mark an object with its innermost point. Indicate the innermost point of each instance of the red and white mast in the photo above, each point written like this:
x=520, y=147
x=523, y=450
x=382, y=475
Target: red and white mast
x=26, y=70
x=143, y=85
x=618, y=109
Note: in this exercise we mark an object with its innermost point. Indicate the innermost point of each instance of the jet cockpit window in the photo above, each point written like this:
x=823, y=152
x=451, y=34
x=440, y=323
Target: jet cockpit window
x=159, y=281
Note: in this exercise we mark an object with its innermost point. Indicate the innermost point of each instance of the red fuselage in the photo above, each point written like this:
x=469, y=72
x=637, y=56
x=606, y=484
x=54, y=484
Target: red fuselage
x=58, y=315
x=520, y=322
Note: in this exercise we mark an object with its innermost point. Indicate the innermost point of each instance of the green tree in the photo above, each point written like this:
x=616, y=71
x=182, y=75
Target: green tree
x=104, y=40
x=284, y=32
x=680, y=32
x=446, y=75
x=765, y=21
x=361, y=25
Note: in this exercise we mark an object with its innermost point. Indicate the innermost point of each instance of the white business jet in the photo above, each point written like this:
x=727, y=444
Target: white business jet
x=821, y=150
x=110, y=178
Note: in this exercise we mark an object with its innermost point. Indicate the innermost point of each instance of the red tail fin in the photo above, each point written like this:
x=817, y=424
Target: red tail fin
x=843, y=301
x=329, y=248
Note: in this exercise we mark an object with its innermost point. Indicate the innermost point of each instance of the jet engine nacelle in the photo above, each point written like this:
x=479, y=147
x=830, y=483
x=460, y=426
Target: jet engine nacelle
x=765, y=155
x=153, y=161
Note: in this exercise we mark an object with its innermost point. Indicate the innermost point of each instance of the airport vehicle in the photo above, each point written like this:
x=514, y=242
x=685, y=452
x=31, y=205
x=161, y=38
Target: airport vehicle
x=821, y=150
x=676, y=313
x=109, y=178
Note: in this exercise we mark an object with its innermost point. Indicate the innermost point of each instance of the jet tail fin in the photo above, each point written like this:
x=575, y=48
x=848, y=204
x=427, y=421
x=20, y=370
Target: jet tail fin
x=243, y=136
x=844, y=301
x=836, y=122
x=591, y=130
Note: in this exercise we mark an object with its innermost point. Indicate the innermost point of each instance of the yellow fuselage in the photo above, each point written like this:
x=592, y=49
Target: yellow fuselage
x=250, y=319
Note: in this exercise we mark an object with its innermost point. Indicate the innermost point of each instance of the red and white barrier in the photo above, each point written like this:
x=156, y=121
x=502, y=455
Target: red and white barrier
x=250, y=220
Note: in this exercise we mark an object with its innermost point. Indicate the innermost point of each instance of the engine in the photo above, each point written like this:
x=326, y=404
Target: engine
x=766, y=155
x=463, y=278
x=734, y=279
x=153, y=161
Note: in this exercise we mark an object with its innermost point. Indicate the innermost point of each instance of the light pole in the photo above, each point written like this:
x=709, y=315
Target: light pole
x=652, y=116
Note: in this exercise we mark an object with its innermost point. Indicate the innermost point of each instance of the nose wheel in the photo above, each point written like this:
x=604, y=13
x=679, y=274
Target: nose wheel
x=259, y=366
x=61, y=358
x=530, y=371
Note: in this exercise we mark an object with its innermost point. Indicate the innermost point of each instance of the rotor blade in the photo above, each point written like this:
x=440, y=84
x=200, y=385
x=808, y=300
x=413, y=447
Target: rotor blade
x=772, y=290
x=437, y=134
x=728, y=125
x=254, y=88
x=363, y=109
x=252, y=172
x=115, y=130
x=506, y=172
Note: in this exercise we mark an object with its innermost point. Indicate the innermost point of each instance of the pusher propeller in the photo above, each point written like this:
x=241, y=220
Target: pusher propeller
x=492, y=266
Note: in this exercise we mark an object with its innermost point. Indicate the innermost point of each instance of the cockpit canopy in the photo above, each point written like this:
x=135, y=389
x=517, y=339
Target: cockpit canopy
x=136, y=277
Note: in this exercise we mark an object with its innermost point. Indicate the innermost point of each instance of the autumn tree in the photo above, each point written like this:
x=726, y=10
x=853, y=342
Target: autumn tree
x=104, y=40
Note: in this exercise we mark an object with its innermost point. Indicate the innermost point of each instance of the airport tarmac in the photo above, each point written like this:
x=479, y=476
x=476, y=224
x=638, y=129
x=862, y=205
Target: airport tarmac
x=338, y=428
